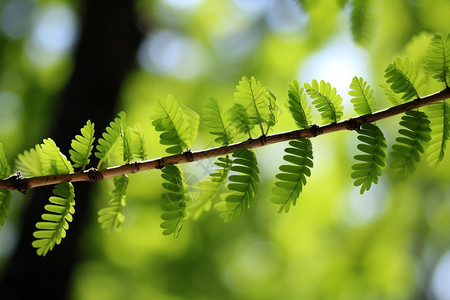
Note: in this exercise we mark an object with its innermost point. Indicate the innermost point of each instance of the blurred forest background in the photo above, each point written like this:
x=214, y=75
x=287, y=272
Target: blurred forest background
x=64, y=62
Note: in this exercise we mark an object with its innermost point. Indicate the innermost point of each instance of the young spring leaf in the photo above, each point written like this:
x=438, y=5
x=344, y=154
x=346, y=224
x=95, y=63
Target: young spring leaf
x=238, y=117
x=179, y=126
x=362, y=96
x=127, y=154
x=298, y=106
x=439, y=115
x=326, y=100
x=82, y=146
x=52, y=160
x=292, y=177
x=209, y=187
x=273, y=109
x=392, y=96
x=256, y=101
x=242, y=187
x=373, y=146
x=404, y=78
x=362, y=21
x=111, y=135
x=112, y=217
x=413, y=139
x=213, y=118
x=137, y=143
x=5, y=195
x=29, y=162
x=438, y=58
x=175, y=201
x=55, y=223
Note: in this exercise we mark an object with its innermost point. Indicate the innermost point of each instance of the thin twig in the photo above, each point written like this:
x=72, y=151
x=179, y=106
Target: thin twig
x=17, y=182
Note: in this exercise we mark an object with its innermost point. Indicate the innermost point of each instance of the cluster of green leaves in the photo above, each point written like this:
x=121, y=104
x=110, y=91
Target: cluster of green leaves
x=253, y=110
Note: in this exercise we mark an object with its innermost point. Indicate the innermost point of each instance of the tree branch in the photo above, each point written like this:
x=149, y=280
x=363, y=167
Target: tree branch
x=17, y=182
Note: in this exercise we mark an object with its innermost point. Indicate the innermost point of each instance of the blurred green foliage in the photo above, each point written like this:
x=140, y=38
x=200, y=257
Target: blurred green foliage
x=334, y=244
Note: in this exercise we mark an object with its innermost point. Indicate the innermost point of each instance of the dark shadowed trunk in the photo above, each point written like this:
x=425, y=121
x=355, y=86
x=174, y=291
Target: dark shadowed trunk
x=104, y=55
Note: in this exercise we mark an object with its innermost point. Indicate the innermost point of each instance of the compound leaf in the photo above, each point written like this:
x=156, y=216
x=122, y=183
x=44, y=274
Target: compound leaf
x=373, y=146
x=52, y=160
x=362, y=21
x=111, y=135
x=403, y=77
x=29, y=162
x=438, y=58
x=242, y=186
x=413, y=139
x=362, y=96
x=55, y=223
x=179, y=126
x=82, y=146
x=213, y=119
x=208, y=188
x=292, y=177
x=238, y=117
x=326, y=100
x=112, y=217
x=439, y=115
x=256, y=100
x=298, y=106
x=175, y=201
x=137, y=143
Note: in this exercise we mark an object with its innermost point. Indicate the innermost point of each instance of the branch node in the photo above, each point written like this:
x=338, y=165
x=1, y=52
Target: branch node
x=160, y=163
x=353, y=124
x=18, y=182
x=137, y=166
x=262, y=139
x=94, y=175
x=188, y=154
x=315, y=130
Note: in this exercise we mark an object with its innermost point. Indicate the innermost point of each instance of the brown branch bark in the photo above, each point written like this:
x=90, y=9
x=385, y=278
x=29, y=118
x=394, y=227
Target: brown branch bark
x=17, y=182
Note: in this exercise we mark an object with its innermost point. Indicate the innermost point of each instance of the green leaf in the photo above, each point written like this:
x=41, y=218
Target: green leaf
x=372, y=160
x=82, y=146
x=5, y=169
x=55, y=223
x=29, y=162
x=273, y=108
x=175, y=201
x=208, y=188
x=362, y=21
x=112, y=217
x=362, y=96
x=392, y=96
x=438, y=58
x=5, y=194
x=214, y=120
x=256, y=101
x=326, y=100
x=52, y=160
x=404, y=78
x=292, y=177
x=127, y=154
x=439, y=115
x=298, y=106
x=413, y=139
x=242, y=187
x=238, y=117
x=111, y=135
x=137, y=143
x=179, y=126
x=5, y=203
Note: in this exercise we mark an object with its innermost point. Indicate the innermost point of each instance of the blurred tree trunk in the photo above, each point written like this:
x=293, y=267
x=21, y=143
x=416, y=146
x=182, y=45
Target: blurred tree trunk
x=104, y=56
